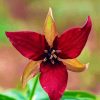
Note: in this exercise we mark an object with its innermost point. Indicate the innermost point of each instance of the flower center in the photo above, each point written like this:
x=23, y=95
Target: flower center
x=51, y=56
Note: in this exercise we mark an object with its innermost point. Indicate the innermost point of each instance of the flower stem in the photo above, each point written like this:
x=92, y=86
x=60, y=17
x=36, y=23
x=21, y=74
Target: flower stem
x=34, y=88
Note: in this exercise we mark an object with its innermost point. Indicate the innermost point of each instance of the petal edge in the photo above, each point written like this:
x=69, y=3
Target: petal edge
x=53, y=79
x=50, y=28
x=72, y=41
x=30, y=71
x=29, y=44
x=74, y=65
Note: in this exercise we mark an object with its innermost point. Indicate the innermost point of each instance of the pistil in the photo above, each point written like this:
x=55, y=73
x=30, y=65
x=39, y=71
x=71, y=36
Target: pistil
x=51, y=56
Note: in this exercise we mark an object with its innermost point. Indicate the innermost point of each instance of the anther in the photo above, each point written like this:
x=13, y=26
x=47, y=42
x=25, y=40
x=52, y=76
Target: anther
x=52, y=61
x=54, y=56
x=58, y=51
x=53, y=51
x=46, y=51
x=51, y=57
x=45, y=59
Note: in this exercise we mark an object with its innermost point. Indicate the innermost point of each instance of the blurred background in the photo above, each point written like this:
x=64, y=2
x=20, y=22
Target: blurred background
x=18, y=15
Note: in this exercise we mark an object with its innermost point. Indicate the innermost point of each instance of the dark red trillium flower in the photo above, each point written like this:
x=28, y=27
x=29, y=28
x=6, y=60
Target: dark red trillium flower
x=51, y=55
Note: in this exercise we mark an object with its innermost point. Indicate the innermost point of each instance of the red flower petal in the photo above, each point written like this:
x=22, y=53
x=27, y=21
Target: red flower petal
x=72, y=41
x=29, y=44
x=53, y=79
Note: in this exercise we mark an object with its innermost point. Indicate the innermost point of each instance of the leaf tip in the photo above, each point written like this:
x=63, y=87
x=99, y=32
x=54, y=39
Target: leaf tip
x=50, y=12
x=88, y=23
x=87, y=65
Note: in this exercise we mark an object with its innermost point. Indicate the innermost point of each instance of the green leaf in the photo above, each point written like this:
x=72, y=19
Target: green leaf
x=5, y=97
x=78, y=95
x=39, y=94
x=17, y=95
x=7, y=25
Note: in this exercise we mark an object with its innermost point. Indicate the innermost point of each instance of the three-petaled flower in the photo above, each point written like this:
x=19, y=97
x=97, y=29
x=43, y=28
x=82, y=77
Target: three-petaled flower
x=51, y=55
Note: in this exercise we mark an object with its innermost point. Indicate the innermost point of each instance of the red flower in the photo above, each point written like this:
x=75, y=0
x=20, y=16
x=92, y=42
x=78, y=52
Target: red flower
x=51, y=55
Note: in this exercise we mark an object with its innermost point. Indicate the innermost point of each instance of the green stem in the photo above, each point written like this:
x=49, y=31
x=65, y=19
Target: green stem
x=34, y=88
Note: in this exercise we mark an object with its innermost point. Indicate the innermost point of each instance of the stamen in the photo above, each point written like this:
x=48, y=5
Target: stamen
x=45, y=59
x=58, y=51
x=46, y=51
x=52, y=61
x=51, y=57
x=54, y=56
x=53, y=51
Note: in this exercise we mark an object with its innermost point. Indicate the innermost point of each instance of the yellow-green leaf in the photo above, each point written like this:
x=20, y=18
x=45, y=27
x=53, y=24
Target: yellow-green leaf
x=50, y=28
x=30, y=71
x=74, y=65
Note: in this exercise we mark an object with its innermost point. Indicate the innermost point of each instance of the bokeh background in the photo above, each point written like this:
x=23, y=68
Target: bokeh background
x=18, y=15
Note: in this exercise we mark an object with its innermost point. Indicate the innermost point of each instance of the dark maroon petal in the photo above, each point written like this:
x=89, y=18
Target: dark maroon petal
x=29, y=44
x=53, y=79
x=72, y=41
